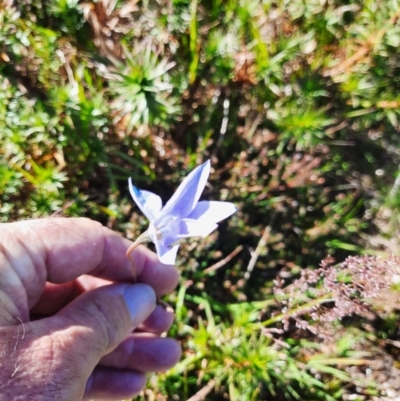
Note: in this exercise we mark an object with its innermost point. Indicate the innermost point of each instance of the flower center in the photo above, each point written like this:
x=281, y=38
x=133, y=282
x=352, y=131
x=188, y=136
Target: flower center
x=166, y=228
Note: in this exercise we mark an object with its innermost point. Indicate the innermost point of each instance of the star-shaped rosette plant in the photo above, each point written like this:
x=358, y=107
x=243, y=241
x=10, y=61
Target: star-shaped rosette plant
x=182, y=216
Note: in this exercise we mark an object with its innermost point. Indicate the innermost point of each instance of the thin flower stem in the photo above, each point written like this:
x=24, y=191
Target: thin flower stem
x=143, y=238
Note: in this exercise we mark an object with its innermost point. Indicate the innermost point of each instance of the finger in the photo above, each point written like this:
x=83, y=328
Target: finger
x=98, y=320
x=163, y=278
x=57, y=296
x=144, y=353
x=69, y=345
x=107, y=384
x=60, y=250
x=159, y=321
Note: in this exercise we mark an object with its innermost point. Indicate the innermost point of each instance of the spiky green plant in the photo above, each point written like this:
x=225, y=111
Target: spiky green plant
x=141, y=89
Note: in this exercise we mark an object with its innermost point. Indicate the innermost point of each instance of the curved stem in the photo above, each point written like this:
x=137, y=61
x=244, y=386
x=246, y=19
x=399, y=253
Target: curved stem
x=142, y=239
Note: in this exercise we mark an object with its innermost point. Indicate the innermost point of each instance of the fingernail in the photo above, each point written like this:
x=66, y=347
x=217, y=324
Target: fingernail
x=141, y=301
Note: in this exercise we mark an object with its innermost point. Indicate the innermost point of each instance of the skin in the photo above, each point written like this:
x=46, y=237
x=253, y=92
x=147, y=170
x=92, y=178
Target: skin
x=74, y=324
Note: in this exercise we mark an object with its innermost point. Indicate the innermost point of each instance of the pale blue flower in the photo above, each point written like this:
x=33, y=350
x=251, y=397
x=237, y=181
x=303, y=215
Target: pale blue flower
x=183, y=215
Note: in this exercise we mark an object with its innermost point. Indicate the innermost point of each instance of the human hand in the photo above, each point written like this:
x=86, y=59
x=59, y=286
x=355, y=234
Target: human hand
x=73, y=324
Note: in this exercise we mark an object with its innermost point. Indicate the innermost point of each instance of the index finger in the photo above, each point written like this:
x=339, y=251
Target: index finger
x=62, y=249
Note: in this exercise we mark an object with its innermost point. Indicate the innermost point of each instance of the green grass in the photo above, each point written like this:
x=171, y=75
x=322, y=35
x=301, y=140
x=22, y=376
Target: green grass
x=295, y=103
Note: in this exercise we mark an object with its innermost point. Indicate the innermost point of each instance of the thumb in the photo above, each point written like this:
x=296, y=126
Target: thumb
x=100, y=319
x=92, y=326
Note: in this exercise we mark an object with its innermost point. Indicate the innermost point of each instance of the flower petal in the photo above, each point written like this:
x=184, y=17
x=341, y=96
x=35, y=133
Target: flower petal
x=193, y=228
x=212, y=211
x=166, y=254
x=188, y=193
x=202, y=220
x=150, y=204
